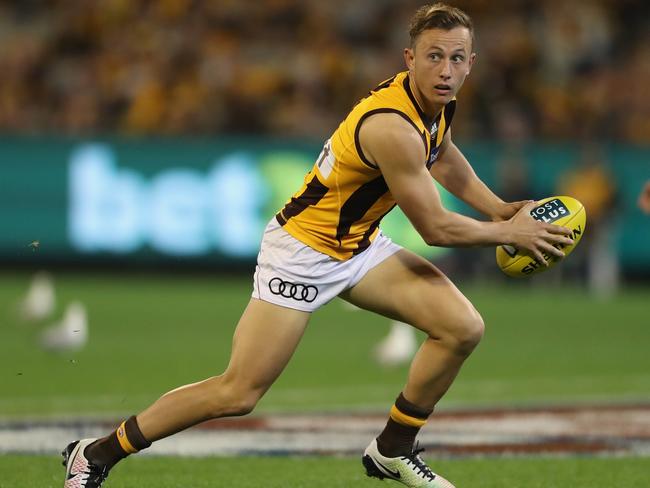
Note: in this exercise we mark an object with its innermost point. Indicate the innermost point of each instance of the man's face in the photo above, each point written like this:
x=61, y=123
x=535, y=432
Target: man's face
x=439, y=62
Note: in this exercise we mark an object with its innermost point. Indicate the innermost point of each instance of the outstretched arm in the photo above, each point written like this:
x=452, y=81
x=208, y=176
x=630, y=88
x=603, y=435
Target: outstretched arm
x=453, y=171
x=395, y=146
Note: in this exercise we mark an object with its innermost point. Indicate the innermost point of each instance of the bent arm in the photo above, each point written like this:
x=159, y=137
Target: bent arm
x=453, y=171
x=394, y=145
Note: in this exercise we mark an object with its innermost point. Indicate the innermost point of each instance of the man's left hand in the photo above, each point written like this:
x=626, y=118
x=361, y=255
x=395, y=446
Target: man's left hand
x=508, y=209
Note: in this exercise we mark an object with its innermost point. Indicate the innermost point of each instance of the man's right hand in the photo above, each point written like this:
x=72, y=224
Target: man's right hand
x=536, y=237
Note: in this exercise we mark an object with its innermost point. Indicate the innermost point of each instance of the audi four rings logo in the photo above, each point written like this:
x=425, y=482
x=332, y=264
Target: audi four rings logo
x=297, y=291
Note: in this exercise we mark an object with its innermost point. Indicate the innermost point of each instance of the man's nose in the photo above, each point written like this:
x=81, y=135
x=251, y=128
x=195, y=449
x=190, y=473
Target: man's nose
x=445, y=69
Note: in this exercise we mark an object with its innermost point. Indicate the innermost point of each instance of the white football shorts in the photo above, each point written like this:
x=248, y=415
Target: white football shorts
x=293, y=275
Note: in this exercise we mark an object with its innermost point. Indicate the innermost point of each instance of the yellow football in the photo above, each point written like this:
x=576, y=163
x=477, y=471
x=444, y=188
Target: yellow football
x=564, y=211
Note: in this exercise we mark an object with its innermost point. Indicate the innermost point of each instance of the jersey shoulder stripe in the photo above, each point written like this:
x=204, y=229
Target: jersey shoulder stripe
x=357, y=143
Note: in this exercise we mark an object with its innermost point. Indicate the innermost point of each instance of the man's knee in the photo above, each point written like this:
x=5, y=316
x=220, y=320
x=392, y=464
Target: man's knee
x=460, y=332
x=467, y=332
x=231, y=398
x=242, y=404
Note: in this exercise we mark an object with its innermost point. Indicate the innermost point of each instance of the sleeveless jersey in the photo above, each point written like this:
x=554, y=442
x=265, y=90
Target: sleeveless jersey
x=344, y=197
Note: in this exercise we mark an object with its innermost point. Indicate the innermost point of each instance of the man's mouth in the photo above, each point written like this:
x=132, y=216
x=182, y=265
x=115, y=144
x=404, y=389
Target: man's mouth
x=442, y=87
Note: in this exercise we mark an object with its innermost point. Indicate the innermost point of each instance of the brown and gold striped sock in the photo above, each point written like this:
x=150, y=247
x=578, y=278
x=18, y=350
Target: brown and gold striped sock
x=403, y=425
x=126, y=439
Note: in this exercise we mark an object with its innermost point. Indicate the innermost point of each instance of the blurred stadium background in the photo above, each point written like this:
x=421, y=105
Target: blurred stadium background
x=145, y=144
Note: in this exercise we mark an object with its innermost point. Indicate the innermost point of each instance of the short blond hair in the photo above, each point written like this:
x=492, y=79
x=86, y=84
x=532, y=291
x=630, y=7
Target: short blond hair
x=438, y=16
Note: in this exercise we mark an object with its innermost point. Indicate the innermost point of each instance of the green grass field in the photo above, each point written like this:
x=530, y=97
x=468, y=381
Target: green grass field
x=332, y=472
x=149, y=334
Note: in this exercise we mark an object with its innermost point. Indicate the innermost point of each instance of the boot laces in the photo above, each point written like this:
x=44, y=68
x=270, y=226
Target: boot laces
x=420, y=466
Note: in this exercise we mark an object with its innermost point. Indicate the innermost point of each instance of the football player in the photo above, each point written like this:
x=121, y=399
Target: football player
x=326, y=242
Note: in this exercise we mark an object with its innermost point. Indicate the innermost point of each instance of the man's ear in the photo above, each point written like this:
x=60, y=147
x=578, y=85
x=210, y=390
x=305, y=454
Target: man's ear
x=472, y=58
x=409, y=58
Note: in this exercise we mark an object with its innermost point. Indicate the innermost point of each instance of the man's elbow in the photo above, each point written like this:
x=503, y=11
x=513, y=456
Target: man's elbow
x=438, y=229
x=437, y=237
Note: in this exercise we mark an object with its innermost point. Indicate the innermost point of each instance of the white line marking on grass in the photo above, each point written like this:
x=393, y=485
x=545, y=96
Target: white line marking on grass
x=599, y=430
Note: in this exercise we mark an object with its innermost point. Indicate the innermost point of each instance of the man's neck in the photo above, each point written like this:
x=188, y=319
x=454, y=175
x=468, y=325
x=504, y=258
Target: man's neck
x=431, y=110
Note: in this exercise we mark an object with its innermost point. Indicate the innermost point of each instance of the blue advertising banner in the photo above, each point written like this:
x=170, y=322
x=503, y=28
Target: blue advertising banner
x=207, y=201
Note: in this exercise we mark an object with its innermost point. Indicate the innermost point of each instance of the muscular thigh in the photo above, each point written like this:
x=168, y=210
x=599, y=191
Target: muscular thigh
x=409, y=288
x=264, y=341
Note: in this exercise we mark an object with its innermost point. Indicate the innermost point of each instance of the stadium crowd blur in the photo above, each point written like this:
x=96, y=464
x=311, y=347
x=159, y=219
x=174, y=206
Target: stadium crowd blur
x=553, y=69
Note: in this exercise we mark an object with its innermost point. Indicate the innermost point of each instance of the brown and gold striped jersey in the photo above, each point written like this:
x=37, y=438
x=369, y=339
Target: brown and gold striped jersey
x=344, y=197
